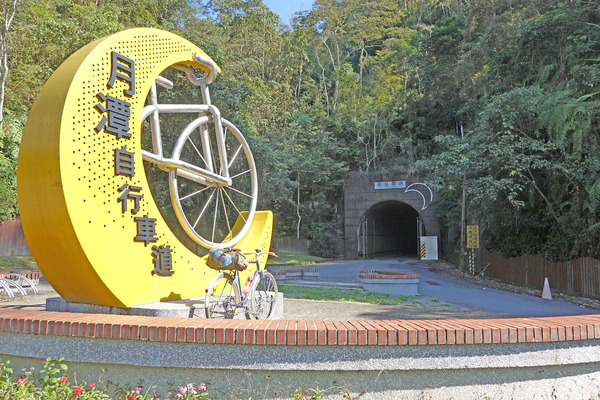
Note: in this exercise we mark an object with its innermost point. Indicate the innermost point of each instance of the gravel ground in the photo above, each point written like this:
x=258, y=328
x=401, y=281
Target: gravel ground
x=310, y=309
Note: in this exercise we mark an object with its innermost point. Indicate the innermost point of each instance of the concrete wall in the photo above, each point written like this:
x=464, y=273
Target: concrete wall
x=524, y=358
x=290, y=245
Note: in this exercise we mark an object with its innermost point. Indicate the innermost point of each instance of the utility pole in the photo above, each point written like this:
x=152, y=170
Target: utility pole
x=463, y=216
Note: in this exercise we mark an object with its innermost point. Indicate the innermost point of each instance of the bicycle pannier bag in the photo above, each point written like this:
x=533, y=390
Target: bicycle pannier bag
x=229, y=259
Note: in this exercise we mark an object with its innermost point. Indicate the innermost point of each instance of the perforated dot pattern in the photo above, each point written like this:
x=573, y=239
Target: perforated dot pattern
x=92, y=162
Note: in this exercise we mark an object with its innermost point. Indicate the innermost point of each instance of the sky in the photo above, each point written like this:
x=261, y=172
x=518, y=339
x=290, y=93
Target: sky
x=286, y=8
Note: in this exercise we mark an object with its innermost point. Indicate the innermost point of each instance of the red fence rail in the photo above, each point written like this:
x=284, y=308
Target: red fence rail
x=12, y=239
x=580, y=277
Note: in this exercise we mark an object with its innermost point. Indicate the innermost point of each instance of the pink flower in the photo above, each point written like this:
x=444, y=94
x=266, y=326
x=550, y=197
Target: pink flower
x=64, y=379
x=202, y=387
x=305, y=396
x=78, y=390
x=21, y=381
x=138, y=390
x=92, y=385
x=133, y=397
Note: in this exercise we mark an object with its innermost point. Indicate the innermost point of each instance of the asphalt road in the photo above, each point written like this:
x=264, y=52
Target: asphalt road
x=458, y=293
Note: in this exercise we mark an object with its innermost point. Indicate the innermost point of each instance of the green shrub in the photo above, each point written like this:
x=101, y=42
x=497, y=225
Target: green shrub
x=324, y=241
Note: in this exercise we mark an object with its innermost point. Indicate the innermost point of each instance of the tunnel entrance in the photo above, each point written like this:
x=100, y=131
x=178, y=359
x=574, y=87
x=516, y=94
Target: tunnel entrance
x=389, y=228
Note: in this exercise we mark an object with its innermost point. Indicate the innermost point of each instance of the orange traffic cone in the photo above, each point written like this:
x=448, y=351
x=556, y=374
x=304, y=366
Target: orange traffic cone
x=546, y=292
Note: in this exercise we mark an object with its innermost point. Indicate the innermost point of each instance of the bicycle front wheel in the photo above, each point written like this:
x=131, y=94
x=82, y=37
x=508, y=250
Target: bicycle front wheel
x=263, y=297
x=222, y=297
x=212, y=213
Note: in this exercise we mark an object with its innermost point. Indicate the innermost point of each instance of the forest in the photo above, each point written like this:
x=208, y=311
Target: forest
x=499, y=97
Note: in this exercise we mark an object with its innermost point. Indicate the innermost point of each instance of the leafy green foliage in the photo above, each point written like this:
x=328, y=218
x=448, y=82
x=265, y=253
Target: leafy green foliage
x=501, y=96
x=324, y=241
x=10, y=139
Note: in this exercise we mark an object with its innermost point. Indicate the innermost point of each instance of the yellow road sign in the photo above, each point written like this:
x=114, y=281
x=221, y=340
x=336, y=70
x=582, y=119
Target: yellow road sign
x=472, y=236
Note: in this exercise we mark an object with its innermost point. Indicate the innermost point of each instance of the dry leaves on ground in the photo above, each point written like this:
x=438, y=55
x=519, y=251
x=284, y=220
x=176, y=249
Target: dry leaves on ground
x=451, y=270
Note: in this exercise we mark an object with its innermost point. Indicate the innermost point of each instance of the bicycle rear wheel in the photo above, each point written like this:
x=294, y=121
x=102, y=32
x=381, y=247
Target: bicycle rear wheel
x=263, y=297
x=222, y=297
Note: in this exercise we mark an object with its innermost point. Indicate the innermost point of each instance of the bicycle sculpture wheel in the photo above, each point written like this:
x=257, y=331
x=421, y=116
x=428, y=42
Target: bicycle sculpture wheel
x=112, y=110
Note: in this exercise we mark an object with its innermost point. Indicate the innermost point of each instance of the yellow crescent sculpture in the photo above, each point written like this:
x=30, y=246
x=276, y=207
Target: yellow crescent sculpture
x=90, y=220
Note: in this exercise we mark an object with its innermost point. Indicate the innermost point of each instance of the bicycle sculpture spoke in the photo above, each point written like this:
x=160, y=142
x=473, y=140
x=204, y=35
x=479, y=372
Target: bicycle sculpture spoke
x=204, y=208
x=197, y=151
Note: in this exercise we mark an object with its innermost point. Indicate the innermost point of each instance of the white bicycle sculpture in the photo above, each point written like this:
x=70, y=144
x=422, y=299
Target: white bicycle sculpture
x=212, y=176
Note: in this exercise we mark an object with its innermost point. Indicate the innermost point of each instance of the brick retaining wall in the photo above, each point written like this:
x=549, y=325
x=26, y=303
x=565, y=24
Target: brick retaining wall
x=297, y=333
x=28, y=275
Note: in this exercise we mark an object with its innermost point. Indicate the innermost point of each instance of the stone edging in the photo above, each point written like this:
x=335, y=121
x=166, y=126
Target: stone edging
x=300, y=332
x=28, y=275
x=298, y=273
x=377, y=274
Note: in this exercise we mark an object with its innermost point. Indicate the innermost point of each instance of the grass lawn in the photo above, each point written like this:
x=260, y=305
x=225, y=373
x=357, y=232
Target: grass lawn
x=17, y=262
x=359, y=296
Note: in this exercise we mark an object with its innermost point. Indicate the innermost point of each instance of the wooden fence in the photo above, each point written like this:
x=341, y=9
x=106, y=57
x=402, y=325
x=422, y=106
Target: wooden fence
x=292, y=245
x=12, y=239
x=580, y=277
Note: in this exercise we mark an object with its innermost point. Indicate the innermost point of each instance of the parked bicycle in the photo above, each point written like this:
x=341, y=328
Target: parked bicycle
x=212, y=175
x=226, y=298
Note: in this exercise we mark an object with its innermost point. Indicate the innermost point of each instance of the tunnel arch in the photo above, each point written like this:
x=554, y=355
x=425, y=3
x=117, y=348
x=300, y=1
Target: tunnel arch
x=401, y=198
x=389, y=228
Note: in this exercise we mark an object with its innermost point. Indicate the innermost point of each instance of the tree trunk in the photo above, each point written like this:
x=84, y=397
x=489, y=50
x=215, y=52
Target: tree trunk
x=9, y=13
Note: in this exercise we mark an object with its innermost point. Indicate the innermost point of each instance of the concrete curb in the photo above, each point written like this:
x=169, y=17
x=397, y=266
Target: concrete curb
x=467, y=359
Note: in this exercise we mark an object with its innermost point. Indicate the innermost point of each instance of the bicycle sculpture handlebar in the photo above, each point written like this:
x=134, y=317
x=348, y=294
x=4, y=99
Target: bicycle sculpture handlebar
x=206, y=62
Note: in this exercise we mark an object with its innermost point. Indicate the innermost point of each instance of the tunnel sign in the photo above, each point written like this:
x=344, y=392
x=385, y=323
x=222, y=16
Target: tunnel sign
x=390, y=185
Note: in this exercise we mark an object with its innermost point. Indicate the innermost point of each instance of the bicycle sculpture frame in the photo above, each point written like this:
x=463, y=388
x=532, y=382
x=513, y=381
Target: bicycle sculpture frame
x=219, y=163
x=205, y=170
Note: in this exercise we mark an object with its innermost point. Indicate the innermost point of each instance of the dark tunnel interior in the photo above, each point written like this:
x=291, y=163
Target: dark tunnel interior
x=389, y=228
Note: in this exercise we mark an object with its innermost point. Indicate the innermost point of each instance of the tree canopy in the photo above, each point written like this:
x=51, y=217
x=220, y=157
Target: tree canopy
x=502, y=96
